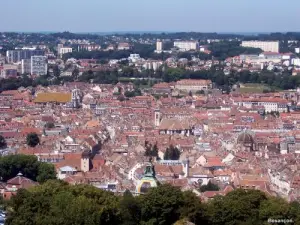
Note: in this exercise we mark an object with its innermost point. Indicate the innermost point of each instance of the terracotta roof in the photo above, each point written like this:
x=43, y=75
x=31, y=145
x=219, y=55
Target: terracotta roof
x=53, y=97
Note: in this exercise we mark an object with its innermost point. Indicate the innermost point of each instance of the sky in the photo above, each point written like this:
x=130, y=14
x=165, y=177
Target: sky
x=150, y=15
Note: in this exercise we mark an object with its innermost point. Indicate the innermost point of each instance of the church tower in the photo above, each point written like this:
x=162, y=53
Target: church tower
x=76, y=98
x=148, y=181
x=157, y=117
x=85, y=161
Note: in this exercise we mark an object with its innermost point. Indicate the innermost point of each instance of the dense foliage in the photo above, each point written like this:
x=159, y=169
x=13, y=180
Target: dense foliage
x=2, y=142
x=32, y=139
x=172, y=153
x=28, y=165
x=57, y=203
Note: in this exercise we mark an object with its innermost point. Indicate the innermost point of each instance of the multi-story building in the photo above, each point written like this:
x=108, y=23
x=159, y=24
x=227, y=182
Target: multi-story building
x=123, y=46
x=26, y=66
x=9, y=71
x=186, y=45
x=193, y=85
x=89, y=47
x=39, y=65
x=159, y=46
x=64, y=50
x=269, y=104
x=14, y=56
x=267, y=46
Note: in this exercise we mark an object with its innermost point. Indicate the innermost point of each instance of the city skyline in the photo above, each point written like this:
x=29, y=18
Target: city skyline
x=136, y=16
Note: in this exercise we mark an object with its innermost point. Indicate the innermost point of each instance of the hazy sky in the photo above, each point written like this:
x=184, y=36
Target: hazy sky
x=150, y=15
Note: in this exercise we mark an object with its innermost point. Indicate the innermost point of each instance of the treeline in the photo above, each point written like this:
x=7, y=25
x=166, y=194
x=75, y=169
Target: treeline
x=28, y=165
x=57, y=203
x=283, y=80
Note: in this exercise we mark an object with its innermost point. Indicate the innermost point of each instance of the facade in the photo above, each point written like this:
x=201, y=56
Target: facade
x=148, y=181
x=26, y=66
x=193, y=85
x=64, y=50
x=267, y=46
x=269, y=104
x=159, y=46
x=38, y=65
x=186, y=45
x=89, y=47
x=123, y=46
x=14, y=56
x=9, y=71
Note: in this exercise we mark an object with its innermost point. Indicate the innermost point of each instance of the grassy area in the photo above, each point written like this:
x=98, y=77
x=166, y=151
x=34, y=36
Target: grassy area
x=255, y=88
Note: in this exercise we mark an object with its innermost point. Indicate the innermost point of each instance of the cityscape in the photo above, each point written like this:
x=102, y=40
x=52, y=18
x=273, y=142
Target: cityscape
x=168, y=128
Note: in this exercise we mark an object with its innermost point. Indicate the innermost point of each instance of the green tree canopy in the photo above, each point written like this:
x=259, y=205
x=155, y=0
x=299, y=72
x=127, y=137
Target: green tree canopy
x=172, y=153
x=209, y=187
x=32, y=139
x=2, y=142
x=28, y=165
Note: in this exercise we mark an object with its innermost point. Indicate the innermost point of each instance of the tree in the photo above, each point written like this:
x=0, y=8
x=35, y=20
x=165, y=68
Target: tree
x=56, y=203
x=209, y=187
x=275, y=208
x=161, y=205
x=172, y=153
x=192, y=208
x=46, y=172
x=49, y=125
x=130, y=209
x=236, y=208
x=151, y=150
x=2, y=142
x=32, y=139
x=28, y=165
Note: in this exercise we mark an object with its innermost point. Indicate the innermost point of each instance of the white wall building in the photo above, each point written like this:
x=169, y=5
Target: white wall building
x=186, y=45
x=64, y=50
x=39, y=65
x=267, y=46
x=159, y=46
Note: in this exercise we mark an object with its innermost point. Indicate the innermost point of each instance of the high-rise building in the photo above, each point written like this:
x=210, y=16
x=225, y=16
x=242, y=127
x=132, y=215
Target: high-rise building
x=26, y=66
x=14, y=56
x=159, y=46
x=266, y=46
x=186, y=45
x=39, y=65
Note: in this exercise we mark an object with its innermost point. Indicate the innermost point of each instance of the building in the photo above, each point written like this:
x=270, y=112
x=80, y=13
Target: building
x=186, y=45
x=269, y=104
x=9, y=71
x=267, y=46
x=193, y=85
x=14, y=56
x=159, y=46
x=64, y=50
x=148, y=181
x=38, y=65
x=89, y=47
x=123, y=46
x=26, y=66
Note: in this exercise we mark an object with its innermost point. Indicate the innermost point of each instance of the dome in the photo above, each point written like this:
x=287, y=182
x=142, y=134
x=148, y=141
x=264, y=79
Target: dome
x=148, y=181
x=245, y=138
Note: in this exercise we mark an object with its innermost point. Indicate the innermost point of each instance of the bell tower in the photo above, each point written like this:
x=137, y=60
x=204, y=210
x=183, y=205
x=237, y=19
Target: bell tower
x=157, y=117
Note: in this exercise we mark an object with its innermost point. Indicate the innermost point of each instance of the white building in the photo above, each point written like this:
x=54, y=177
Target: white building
x=64, y=50
x=39, y=65
x=186, y=45
x=270, y=104
x=267, y=46
x=297, y=50
x=159, y=46
x=193, y=85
